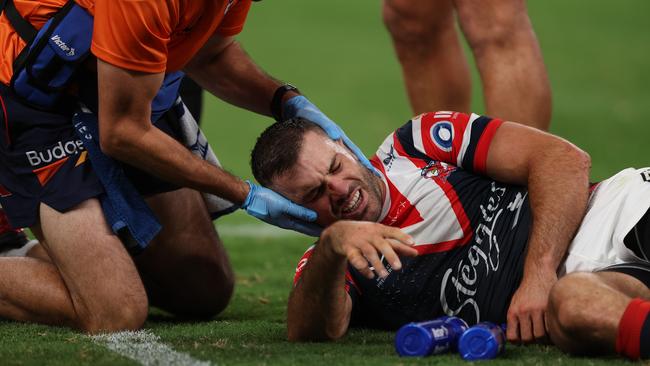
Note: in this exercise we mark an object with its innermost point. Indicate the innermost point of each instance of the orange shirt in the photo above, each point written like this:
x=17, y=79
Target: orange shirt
x=142, y=35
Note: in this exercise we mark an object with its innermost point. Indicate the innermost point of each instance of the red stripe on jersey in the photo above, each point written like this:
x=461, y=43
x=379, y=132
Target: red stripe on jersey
x=302, y=264
x=4, y=192
x=350, y=281
x=426, y=122
x=483, y=146
x=459, y=123
x=456, y=205
x=401, y=212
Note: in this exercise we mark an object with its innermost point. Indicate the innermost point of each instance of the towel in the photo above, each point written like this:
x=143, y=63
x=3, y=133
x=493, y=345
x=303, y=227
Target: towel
x=126, y=211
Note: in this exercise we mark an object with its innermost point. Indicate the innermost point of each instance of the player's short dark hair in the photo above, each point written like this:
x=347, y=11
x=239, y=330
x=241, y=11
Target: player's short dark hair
x=277, y=148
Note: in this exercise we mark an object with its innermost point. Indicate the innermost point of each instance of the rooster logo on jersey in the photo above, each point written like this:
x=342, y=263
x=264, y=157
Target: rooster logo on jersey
x=436, y=170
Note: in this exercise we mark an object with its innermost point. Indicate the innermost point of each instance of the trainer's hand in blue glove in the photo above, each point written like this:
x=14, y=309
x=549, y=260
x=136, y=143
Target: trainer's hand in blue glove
x=276, y=210
x=299, y=106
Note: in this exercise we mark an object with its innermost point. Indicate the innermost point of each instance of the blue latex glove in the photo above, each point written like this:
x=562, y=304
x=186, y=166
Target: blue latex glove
x=299, y=106
x=274, y=209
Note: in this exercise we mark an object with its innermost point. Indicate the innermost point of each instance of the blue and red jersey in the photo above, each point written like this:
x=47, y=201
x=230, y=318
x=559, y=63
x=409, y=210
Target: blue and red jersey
x=470, y=231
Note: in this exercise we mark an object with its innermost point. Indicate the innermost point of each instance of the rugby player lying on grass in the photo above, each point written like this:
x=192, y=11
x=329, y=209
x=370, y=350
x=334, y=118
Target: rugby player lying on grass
x=473, y=217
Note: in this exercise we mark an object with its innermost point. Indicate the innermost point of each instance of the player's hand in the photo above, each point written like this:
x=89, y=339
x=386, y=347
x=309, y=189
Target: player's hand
x=276, y=210
x=299, y=106
x=366, y=244
x=527, y=312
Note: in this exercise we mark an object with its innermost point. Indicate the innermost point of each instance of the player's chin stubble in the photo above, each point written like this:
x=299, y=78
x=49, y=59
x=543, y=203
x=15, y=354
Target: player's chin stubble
x=375, y=199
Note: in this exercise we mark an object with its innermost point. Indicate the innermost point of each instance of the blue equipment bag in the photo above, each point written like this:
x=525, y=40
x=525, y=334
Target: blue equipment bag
x=47, y=65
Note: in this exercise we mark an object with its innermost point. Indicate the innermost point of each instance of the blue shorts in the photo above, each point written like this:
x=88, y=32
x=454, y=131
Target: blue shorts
x=42, y=160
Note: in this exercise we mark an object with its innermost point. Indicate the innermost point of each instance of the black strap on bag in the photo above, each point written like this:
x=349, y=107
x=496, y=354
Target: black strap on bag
x=25, y=29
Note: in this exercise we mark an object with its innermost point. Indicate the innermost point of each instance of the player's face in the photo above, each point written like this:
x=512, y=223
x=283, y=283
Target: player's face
x=328, y=179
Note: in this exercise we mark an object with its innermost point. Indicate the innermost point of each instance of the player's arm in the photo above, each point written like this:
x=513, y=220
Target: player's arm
x=223, y=68
x=557, y=175
x=319, y=307
x=126, y=133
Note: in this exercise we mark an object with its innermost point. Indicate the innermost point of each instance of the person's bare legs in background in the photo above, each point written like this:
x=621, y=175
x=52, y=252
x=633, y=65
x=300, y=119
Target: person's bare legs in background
x=500, y=35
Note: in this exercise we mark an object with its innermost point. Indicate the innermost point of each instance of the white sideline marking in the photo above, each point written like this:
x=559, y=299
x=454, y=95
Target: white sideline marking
x=145, y=348
x=255, y=231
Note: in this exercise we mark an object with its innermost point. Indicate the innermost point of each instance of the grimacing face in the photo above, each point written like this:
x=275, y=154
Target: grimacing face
x=329, y=179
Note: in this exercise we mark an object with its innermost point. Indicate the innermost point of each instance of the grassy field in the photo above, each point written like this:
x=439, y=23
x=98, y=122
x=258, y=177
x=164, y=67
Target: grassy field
x=338, y=53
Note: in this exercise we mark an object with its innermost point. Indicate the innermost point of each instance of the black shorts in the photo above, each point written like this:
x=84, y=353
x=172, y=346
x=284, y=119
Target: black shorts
x=42, y=160
x=638, y=270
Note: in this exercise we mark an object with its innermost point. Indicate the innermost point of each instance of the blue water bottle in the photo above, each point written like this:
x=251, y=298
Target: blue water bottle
x=483, y=341
x=430, y=337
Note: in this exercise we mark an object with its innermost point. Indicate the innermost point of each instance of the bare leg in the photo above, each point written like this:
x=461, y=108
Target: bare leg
x=90, y=284
x=585, y=310
x=38, y=252
x=186, y=270
x=515, y=83
x=427, y=45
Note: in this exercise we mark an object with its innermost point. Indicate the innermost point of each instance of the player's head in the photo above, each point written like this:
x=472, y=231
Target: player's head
x=296, y=159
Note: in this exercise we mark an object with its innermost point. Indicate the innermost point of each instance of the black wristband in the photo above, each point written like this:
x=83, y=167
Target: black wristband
x=276, y=102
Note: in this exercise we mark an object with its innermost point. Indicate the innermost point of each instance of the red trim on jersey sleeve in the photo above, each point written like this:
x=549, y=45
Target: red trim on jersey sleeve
x=483, y=146
x=426, y=122
x=302, y=264
x=349, y=280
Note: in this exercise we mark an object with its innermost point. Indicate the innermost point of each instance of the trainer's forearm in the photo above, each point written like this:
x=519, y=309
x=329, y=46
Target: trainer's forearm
x=558, y=186
x=231, y=75
x=319, y=307
x=126, y=134
x=151, y=150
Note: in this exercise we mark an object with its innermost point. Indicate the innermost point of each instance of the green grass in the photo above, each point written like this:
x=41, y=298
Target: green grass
x=251, y=331
x=338, y=53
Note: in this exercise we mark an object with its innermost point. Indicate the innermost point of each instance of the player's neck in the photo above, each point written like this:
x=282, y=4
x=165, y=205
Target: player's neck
x=382, y=186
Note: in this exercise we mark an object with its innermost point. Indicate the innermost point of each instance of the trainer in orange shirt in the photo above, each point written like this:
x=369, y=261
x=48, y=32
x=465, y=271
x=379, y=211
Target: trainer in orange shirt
x=84, y=277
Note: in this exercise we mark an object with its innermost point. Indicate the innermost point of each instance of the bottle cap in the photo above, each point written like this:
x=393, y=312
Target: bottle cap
x=413, y=340
x=478, y=343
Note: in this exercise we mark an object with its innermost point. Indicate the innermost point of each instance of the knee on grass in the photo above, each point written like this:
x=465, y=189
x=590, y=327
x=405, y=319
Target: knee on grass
x=207, y=292
x=118, y=314
x=574, y=315
x=208, y=305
